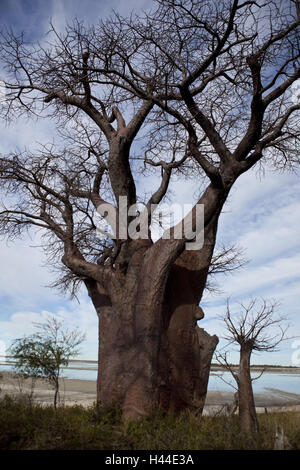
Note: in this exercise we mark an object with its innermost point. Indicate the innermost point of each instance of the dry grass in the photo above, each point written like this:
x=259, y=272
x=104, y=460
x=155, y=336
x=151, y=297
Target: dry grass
x=24, y=425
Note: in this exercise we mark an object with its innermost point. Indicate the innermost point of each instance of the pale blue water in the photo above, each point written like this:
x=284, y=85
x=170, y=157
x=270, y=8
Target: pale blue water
x=281, y=381
x=75, y=370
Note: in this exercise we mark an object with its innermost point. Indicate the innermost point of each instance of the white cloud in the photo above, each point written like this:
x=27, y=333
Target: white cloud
x=77, y=315
x=59, y=15
x=91, y=11
x=24, y=133
x=254, y=279
x=275, y=233
x=20, y=324
x=23, y=278
x=253, y=199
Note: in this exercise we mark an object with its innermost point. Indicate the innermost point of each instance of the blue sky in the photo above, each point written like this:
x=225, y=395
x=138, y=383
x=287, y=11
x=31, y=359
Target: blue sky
x=262, y=216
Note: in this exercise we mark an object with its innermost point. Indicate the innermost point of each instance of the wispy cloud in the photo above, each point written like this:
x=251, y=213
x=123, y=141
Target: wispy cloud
x=24, y=277
x=75, y=315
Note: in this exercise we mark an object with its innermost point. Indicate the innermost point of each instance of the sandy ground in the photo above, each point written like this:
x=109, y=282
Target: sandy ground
x=83, y=392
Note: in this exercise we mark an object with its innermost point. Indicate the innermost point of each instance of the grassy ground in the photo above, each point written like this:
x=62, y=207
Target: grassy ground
x=24, y=425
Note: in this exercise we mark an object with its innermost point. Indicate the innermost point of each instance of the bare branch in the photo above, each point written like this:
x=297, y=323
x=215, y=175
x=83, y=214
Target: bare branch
x=258, y=330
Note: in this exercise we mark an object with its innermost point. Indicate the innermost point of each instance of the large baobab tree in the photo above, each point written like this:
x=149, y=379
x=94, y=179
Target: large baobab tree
x=258, y=328
x=204, y=90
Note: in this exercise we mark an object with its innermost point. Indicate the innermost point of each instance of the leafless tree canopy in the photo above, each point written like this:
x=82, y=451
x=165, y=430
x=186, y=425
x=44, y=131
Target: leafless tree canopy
x=257, y=326
x=208, y=81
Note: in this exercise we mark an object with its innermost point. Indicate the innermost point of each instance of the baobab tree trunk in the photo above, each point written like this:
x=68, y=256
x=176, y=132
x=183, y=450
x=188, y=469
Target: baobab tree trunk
x=151, y=351
x=143, y=368
x=247, y=412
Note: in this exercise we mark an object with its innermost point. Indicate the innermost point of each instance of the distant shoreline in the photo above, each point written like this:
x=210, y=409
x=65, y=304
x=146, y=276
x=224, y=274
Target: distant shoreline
x=83, y=392
x=260, y=368
x=214, y=367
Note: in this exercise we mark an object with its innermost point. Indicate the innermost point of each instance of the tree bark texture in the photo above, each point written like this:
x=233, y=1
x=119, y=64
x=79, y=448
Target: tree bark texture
x=151, y=351
x=247, y=412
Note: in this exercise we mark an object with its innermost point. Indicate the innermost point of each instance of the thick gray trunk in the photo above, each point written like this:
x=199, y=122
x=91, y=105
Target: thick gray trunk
x=247, y=412
x=151, y=352
x=145, y=369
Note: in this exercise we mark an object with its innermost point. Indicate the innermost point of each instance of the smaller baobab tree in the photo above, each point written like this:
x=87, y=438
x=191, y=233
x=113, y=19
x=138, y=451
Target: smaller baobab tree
x=258, y=327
